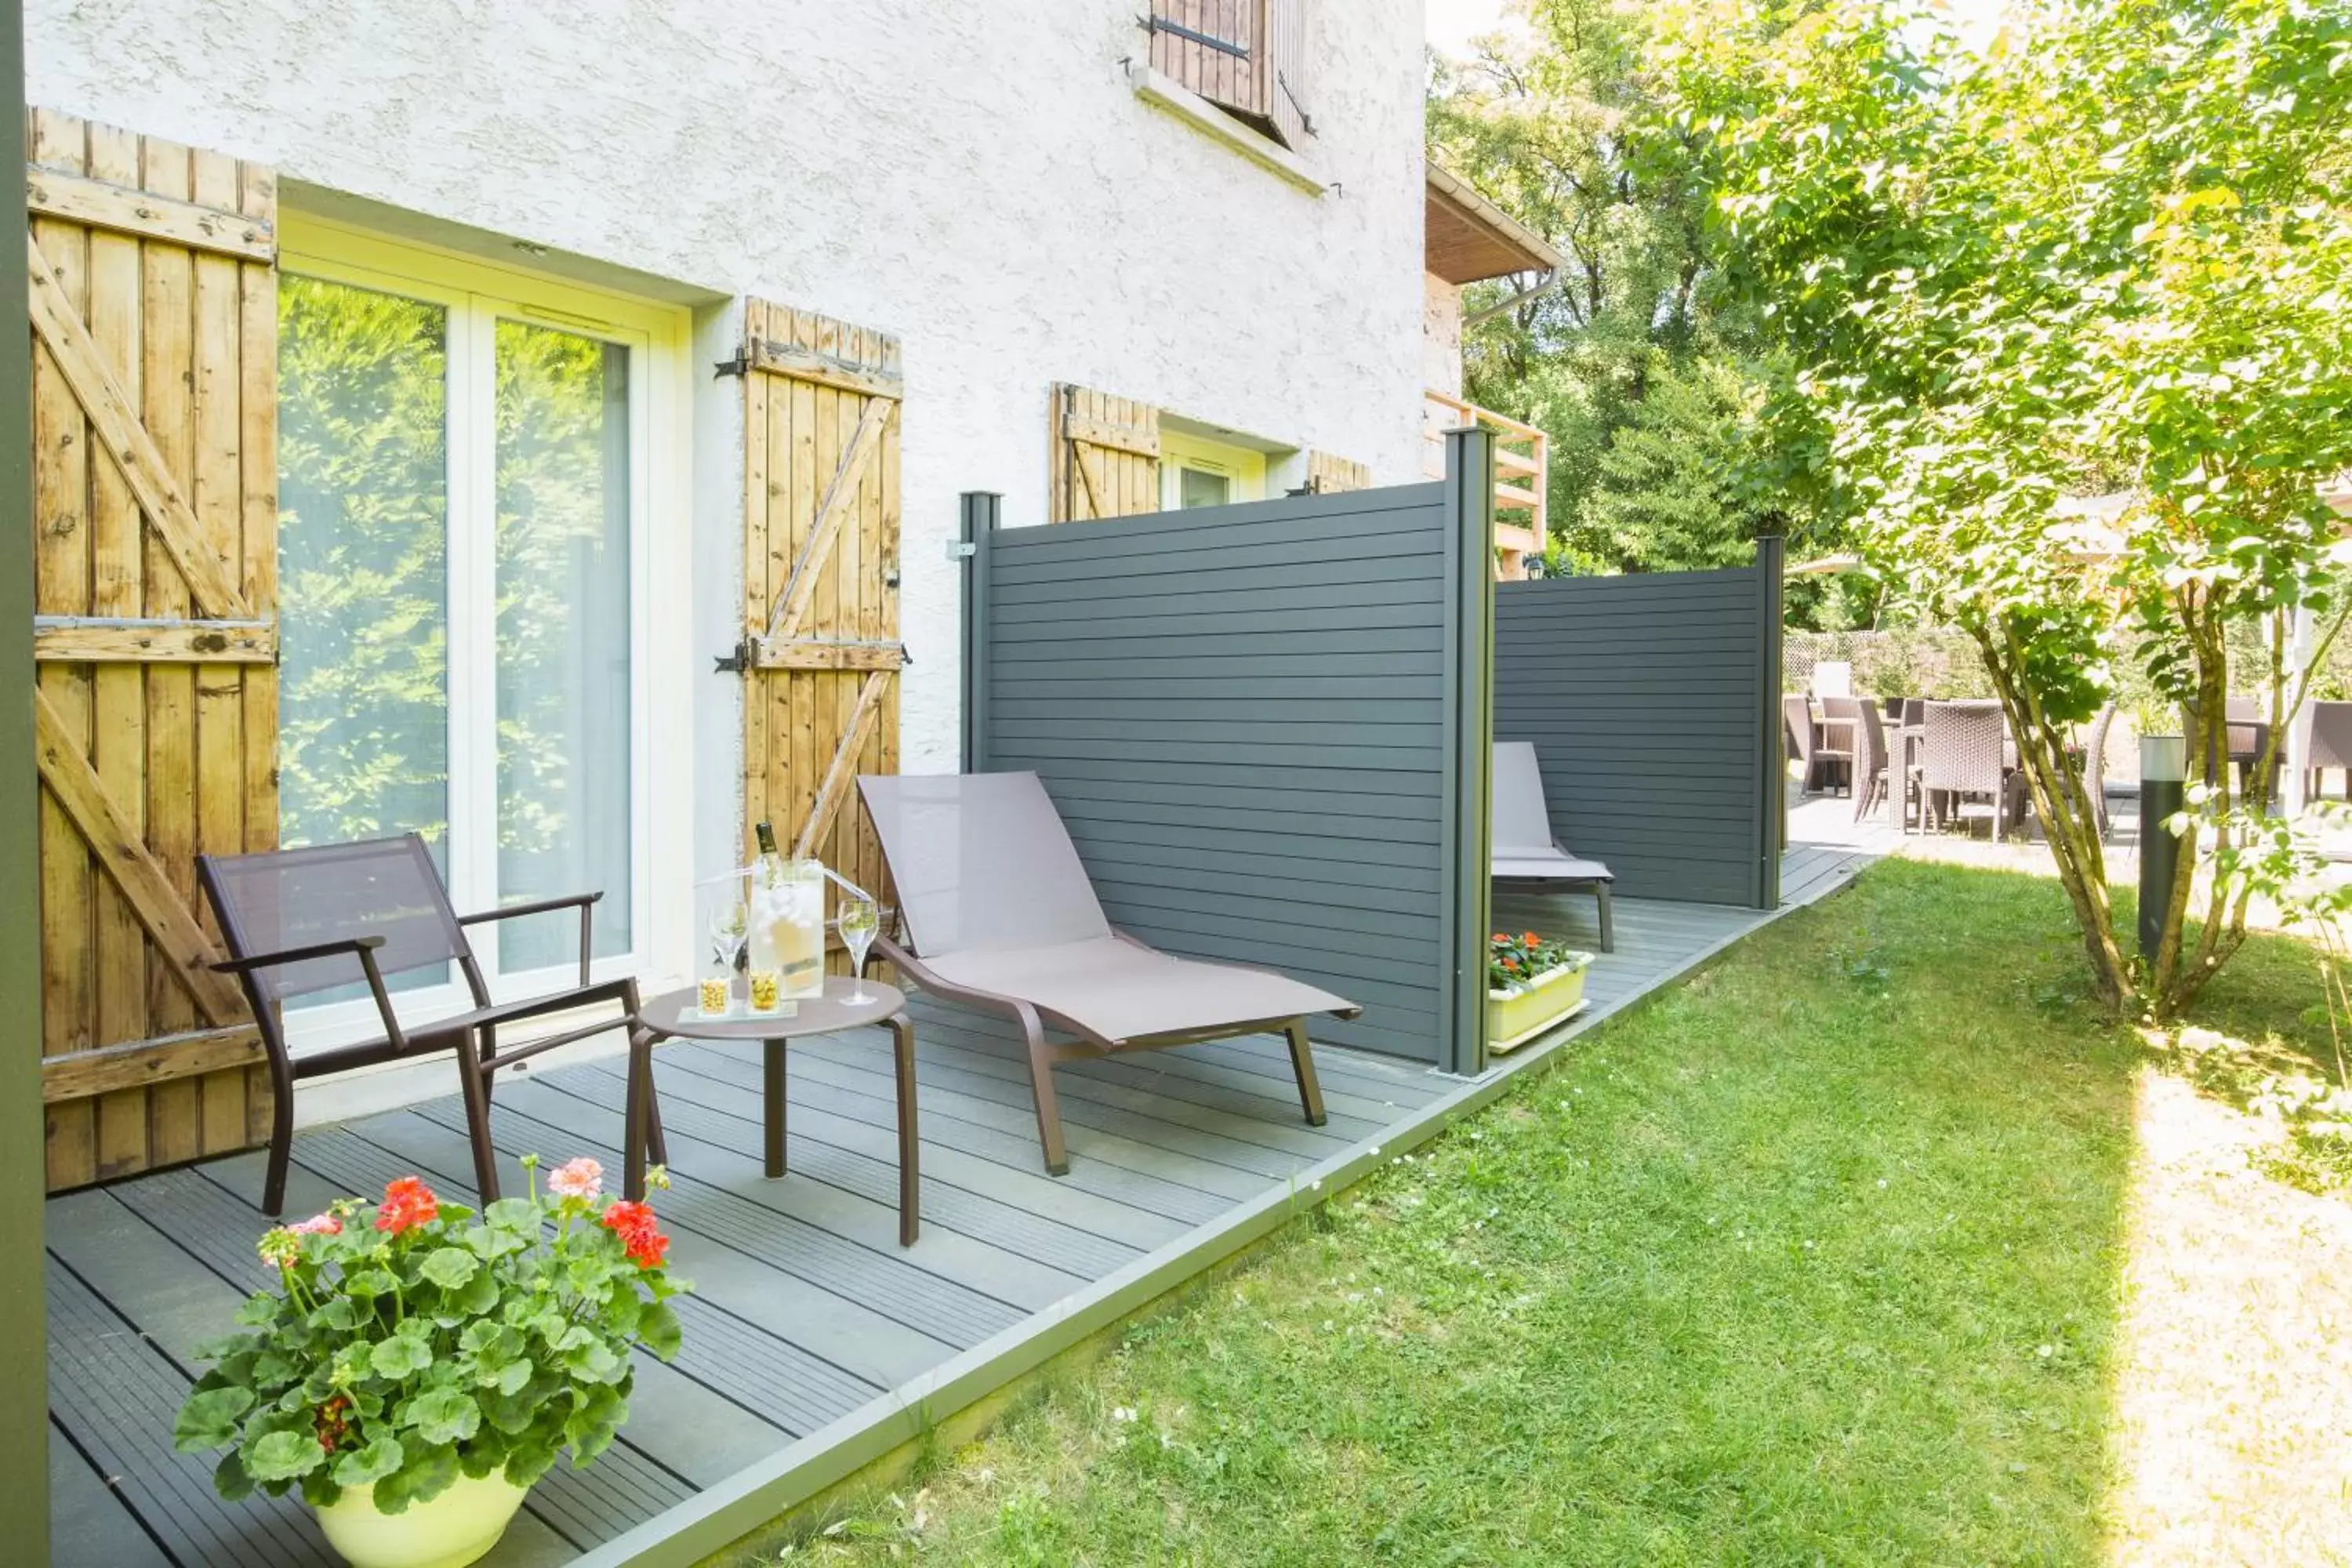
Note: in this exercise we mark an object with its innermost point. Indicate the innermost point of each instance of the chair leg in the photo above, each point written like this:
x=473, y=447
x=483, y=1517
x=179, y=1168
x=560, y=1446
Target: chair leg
x=471, y=1079
x=281, y=1142
x=1302, y=1062
x=1041, y=1086
x=1608, y=919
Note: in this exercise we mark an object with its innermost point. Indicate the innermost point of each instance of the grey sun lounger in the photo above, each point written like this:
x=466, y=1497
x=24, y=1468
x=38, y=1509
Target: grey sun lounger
x=1524, y=847
x=997, y=912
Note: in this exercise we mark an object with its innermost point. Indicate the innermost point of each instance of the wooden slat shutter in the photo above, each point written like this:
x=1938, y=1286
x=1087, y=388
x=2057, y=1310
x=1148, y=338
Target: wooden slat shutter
x=1326, y=473
x=1243, y=56
x=154, y=302
x=820, y=581
x=1106, y=456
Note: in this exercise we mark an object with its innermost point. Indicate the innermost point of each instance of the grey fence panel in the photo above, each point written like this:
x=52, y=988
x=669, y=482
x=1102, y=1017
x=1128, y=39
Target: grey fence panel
x=1651, y=701
x=1242, y=714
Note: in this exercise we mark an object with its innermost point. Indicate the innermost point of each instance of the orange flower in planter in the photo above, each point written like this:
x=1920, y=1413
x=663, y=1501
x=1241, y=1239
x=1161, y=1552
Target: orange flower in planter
x=408, y=1203
x=634, y=1224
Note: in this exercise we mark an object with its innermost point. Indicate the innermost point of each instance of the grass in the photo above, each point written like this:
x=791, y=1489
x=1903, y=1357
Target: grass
x=1814, y=1258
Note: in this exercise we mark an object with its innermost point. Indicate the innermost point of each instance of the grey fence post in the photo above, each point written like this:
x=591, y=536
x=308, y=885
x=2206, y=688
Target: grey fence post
x=981, y=512
x=1771, y=803
x=1466, y=898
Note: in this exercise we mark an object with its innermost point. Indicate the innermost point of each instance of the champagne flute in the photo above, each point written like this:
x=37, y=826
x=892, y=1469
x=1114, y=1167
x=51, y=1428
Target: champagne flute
x=859, y=920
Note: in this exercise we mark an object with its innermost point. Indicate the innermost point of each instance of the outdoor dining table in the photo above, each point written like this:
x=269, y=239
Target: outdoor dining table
x=673, y=1015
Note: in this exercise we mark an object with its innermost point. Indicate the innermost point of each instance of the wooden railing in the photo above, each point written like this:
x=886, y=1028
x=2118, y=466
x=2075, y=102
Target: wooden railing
x=1522, y=462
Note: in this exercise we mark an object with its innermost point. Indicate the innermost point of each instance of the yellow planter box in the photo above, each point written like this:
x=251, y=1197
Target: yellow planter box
x=1515, y=1017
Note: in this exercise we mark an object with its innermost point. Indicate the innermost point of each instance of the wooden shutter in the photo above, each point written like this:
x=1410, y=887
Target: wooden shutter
x=820, y=513
x=153, y=303
x=1106, y=456
x=1326, y=473
x=1243, y=56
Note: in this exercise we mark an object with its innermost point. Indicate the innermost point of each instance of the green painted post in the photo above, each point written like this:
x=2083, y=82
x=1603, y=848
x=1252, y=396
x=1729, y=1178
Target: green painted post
x=24, y=1389
x=982, y=510
x=1466, y=911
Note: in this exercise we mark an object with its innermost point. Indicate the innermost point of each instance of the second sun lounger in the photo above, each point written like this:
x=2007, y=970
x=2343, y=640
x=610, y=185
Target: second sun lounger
x=1524, y=847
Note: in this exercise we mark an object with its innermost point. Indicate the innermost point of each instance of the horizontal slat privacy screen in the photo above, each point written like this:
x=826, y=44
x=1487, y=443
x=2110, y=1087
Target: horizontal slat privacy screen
x=1652, y=703
x=1240, y=713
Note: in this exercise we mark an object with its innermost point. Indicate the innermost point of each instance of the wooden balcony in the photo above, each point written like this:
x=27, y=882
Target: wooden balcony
x=1522, y=459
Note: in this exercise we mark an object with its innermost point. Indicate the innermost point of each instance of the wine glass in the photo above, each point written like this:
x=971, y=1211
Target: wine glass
x=859, y=920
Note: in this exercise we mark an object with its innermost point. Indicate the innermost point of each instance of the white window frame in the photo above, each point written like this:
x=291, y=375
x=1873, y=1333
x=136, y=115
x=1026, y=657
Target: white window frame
x=1179, y=450
x=476, y=295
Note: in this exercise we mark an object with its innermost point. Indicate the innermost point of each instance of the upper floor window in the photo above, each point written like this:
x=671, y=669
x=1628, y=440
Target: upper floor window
x=1243, y=56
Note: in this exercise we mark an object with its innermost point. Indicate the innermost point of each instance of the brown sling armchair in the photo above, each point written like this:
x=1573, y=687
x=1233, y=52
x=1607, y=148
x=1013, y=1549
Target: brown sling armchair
x=301, y=921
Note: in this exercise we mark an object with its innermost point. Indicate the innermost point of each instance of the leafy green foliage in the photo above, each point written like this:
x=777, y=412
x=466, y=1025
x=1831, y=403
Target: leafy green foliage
x=1513, y=961
x=409, y=1343
x=2109, y=254
x=1648, y=378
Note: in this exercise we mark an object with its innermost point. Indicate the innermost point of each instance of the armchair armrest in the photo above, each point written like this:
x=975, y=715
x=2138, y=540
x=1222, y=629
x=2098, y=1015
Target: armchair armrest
x=362, y=946
x=585, y=901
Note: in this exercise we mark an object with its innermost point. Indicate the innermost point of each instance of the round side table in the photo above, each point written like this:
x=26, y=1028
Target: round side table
x=671, y=1015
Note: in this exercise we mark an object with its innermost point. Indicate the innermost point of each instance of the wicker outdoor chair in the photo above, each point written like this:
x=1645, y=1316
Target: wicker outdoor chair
x=301, y=921
x=1876, y=770
x=1964, y=755
x=2249, y=736
x=2327, y=732
x=1797, y=736
x=2095, y=767
x=1840, y=742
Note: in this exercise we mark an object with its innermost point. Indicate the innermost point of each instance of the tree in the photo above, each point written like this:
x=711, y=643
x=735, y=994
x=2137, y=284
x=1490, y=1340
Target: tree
x=1630, y=344
x=2111, y=251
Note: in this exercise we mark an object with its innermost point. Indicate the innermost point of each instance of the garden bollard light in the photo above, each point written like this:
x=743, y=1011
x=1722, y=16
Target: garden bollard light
x=2163, y=791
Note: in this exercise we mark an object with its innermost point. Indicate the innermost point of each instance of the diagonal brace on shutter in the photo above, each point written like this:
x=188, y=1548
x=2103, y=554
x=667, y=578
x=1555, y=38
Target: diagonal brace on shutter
x=116, y=421
x=840, y=499
x=116, y=845
x=843, y=766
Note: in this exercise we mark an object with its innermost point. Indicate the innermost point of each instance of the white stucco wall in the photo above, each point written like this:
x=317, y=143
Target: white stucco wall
x=1441, y=334
x=981, y=180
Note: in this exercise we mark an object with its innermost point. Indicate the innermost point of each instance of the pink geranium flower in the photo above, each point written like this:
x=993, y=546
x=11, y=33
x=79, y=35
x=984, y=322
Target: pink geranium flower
x=318, y=1225
x=581, y=1178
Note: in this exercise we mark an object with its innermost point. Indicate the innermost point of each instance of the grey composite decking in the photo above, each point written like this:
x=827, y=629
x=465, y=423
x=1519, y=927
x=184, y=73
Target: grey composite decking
x=810, y=1331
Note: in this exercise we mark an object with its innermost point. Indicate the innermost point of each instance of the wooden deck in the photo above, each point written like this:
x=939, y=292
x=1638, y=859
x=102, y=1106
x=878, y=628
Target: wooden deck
x=814, y=1342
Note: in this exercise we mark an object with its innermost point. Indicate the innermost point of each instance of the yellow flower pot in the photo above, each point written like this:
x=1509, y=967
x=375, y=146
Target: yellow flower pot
x=457, y=1528
x=1515, y=1017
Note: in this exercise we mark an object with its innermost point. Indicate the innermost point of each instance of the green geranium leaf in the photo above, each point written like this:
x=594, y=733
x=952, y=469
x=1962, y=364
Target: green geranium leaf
x=371, y=1464
x=514, y=1376
x=370, y=1283
x=401, y=1356
x=283, y=1457
x=209, y=1419
x=449, y=1266
x=594, y=1361
x=229, y=1478
x=445, y=1416
x=658, y=1328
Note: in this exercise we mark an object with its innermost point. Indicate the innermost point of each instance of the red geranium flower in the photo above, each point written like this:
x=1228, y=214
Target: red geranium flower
x=634, y=1224
x=407, y=1203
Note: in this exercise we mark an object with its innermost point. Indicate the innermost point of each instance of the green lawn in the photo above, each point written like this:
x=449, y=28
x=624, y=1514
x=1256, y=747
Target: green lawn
x=1811, y=1259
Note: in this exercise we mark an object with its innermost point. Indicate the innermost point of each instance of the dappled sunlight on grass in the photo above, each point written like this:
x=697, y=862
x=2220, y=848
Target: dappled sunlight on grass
x=2234, y=1385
